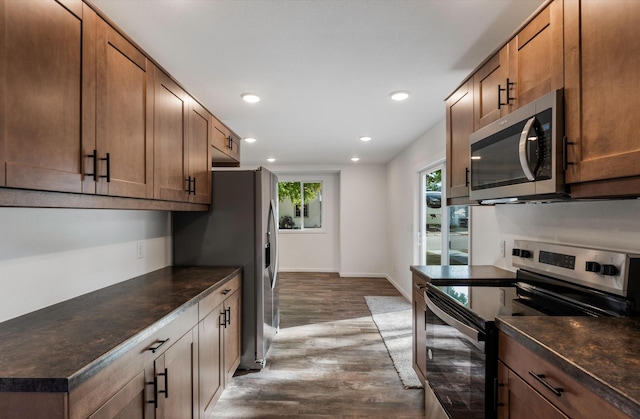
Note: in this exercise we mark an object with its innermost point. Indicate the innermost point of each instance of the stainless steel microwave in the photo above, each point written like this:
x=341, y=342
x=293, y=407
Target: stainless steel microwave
x=520, y=156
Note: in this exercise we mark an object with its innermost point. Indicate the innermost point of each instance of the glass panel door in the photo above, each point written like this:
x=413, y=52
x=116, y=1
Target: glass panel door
x=444, y=231
x=432, y=205
x=458, y=235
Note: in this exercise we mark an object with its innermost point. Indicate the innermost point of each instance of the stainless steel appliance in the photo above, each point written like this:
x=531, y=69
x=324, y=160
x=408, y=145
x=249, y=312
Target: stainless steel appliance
x=552, y=279
x=240, y=230
x=520, y=156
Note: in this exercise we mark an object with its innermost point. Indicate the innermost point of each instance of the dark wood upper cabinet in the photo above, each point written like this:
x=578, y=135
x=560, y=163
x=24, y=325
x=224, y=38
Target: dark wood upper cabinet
x=526, y=68
x=602, y=97
x=200, y=137
x=460, y=122
x=490, y=100
x=124, y=110
x=45, y=71
x=81, y=112
x=171, y=104
x=535, y=56
x=226, y=146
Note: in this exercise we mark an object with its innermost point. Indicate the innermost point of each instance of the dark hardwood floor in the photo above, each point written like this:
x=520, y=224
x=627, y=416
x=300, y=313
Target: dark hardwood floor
x=328, y=361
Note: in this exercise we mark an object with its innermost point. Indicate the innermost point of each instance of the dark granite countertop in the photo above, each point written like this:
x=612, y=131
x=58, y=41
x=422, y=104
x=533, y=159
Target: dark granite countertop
x=58, y=347
x=464, y=274
x=602, y=353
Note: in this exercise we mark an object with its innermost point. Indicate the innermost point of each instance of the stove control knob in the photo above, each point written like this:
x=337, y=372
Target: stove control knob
x=609, y=270
x=592, y=266
x=525, y=254
x=515, y=252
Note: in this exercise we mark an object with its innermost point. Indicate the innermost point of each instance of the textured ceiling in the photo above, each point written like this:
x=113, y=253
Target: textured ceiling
x=323, y=68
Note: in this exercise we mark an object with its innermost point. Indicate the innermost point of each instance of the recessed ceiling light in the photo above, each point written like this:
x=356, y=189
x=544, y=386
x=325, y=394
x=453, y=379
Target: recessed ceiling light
x=355, y=158
x=365, y=139
x=250, y=97
x=399, y=95
x=271, y=159
x=250, y=140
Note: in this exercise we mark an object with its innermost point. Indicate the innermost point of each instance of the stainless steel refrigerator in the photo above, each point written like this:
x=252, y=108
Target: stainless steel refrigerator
x=240, y=230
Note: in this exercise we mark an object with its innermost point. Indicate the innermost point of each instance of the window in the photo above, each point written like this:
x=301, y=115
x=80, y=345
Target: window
x=300, y=205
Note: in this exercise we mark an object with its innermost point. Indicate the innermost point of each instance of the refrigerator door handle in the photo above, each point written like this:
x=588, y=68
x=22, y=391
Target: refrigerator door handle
x=274, y=269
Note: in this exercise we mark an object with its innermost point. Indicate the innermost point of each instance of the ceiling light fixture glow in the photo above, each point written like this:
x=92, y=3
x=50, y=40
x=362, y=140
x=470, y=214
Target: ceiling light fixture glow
x=399, y=95
x=355, y=158
x=250, y=97
x=365, y=139
x=271, y=159
x=250, y=140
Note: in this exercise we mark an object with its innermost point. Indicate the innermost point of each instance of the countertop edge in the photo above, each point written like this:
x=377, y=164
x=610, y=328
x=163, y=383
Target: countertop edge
x=614, y=396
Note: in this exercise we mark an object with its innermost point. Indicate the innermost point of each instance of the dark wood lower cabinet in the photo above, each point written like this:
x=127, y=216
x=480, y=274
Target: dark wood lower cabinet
x=419, y=329
x=178, y=371
x=531, y=387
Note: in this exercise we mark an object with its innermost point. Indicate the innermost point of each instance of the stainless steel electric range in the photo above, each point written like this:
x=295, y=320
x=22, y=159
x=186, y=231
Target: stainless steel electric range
x=552, y=279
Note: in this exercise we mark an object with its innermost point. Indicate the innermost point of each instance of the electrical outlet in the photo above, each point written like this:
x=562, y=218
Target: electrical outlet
x=140, y=250
x=501, y=248
x=502, y=297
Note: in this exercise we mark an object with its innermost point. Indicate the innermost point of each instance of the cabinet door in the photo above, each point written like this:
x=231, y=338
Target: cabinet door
x=602, y=96
x=45, y=68
x=131, y=402
x=177, y=374
x=123, y=121
x=232, y=335
x=459, y=126
x=536, y=56
x=170, y=139
x=199, y=153
x=490, y=103
x=517, y=400
x=226, y=147
x=419, y=335
x=210, y=360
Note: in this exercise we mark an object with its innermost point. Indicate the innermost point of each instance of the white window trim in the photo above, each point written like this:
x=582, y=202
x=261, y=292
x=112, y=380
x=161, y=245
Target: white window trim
x=323, y=209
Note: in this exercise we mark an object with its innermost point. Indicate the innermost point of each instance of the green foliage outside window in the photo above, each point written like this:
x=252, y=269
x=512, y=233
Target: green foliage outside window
x=291, y=190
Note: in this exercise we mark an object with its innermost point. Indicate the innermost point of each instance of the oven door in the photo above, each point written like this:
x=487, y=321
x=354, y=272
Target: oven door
x=459, y=371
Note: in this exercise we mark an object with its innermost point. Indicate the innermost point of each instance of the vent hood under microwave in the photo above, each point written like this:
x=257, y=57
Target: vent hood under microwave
x=519, y=157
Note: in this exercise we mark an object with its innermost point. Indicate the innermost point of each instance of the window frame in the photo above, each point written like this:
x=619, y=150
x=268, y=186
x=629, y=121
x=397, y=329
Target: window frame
x=303, y=210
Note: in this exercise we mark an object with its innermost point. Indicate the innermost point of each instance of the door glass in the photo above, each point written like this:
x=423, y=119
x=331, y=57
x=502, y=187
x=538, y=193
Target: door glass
x=458, y=235
x=433, y=209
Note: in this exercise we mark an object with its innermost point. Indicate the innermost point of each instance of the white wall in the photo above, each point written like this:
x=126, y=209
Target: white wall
x=360, y=246
x=51, y=255
x=363, y=215
x=314, y=251
x=403, y=200
x=604, y=224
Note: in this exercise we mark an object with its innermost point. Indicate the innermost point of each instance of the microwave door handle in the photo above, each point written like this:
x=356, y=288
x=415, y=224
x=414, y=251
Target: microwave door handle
x=469, y=332
x=522, y=149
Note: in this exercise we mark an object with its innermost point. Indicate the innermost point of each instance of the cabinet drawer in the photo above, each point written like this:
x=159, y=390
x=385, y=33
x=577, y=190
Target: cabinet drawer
x=213, y=300
x=574, y=400
x=91, y=394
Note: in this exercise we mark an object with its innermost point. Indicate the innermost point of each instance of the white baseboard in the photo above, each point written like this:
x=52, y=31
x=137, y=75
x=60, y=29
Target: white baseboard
x=307, y=270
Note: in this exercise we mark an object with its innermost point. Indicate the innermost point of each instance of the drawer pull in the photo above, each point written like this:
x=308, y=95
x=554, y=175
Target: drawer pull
x=224, y=318
x=227, y=291
x=154, y=349
x=541, y=378
x=228, y=317
x=166, y=383
x=155, y=392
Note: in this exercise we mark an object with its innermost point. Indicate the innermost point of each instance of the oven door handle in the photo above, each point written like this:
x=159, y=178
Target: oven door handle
x=470, y=332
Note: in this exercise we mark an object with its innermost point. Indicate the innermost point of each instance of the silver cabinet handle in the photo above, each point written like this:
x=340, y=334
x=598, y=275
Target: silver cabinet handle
x=470, y=332
x=522, y=149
